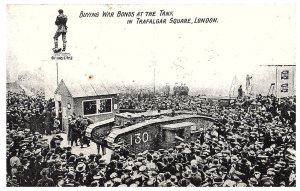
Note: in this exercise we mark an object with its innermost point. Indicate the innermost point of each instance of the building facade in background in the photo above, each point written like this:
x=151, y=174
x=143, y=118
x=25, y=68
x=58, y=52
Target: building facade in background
x=283, y=78
x=93, y=101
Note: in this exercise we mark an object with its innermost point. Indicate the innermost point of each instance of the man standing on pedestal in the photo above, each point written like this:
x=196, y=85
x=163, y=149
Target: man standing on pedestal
x=248, y=84
x=61, y=21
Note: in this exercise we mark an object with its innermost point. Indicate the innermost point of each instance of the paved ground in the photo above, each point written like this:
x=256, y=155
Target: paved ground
x=77, y=150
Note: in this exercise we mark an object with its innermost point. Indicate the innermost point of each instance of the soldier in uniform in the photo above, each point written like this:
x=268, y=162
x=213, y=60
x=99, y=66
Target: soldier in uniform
x=73, y=132
x=61, y=21
x=82, y=126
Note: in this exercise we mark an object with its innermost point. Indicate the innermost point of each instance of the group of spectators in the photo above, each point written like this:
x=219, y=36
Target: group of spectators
x=31, y=112
x=77, y=130
x=251, y=144
x=189, y=103
x=163, y=99
x=180, y=90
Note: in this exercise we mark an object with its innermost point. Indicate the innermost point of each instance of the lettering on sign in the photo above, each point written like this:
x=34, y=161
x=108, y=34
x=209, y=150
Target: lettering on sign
x=62, y=56
x=138, y=138
x=284, y=87
x=285, y=75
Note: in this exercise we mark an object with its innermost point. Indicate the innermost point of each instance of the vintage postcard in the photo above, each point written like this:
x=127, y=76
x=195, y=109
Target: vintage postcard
x=150, y=95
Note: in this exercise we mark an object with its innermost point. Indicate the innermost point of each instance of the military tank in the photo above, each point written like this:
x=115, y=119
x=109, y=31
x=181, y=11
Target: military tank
x=150, y=130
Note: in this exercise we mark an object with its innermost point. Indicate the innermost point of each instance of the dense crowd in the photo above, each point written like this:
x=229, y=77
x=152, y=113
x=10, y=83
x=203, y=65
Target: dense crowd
x=252, y=144
x=31, y=112
x=190, y=103
x=164, y=99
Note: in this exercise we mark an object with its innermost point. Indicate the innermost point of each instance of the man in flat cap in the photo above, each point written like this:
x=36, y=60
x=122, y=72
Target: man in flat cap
x=45, y=181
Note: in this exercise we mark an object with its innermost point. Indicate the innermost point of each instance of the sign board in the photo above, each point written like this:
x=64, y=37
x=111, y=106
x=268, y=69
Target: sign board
x=62, y=56
x=285, y=75
x=284, y=87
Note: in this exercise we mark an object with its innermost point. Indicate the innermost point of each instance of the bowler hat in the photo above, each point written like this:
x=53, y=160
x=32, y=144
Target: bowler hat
x=80, y=167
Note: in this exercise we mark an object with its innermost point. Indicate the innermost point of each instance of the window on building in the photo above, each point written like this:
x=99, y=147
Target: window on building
x=193, y=128
x=104, y=106
x=97, y=106
x=180, y=133
x=89, y=107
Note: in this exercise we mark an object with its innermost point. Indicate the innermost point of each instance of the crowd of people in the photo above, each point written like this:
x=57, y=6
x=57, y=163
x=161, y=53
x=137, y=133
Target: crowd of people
x=189, y=103
x=77, y=129
x=179, y=90
x=31, y=112
x=163, y=99
x=251, y=144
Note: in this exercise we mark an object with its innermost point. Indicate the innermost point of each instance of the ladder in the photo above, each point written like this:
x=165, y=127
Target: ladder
x=272, y=87
x=233, y=87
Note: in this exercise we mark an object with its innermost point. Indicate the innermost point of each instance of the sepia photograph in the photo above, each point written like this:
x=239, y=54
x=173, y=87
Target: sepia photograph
x=150, y=95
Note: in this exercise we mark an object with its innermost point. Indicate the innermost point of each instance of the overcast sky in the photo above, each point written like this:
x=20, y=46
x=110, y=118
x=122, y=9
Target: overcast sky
x=200, y=55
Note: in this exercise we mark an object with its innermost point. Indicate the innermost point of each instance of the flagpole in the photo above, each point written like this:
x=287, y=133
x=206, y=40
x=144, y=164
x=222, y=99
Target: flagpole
x=56, y=72
x=154, y=79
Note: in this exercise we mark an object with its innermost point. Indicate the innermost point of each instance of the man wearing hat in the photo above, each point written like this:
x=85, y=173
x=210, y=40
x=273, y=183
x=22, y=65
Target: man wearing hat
x=80, y=172
x=170, y=166
x=23, y=176
x=14, y=163
x=100, y=177
x=252, y=182
x=183, y=182
x=116, y=154
x=70, y=181
x=45, y=181
x=217, y=181
x=109, y=184
x=56, y=125
x=91, y=172
x=195, y=180
x=95, y=183
x=117, y=181
x=83, y=124
x=163, y=178
x=73, y=130
x=278, y=177
x=57, y=173
x=38, y=167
